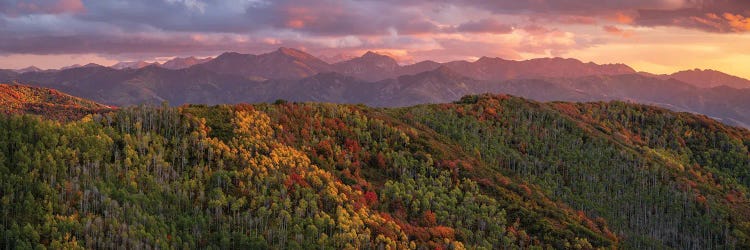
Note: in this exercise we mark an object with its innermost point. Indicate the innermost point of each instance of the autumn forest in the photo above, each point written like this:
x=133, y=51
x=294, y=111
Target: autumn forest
x=485, y=172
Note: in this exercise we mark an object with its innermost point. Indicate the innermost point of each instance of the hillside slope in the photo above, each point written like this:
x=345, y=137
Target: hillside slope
x=729, y=105
x=659, y=178
x=22, y=99
x=487, y=171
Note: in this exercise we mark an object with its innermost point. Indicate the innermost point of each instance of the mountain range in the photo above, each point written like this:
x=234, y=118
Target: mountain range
x=379, y=80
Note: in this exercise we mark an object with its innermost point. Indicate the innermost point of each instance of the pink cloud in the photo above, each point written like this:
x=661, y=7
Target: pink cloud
x=298, y=17
x=46, y=7
x=691, y=14
x=624, y=18
x=575, y=19
x=542, y=40
x=721, y=16
x=485, y=26
x=617, y=31
x=737, y=22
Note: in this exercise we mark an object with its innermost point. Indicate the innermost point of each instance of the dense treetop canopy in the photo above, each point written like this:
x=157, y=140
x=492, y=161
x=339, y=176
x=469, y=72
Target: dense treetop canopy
x=486, y=172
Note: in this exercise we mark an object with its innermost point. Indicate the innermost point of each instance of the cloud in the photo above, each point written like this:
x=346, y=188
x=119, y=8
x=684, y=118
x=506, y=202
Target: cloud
x=617, y=31
x=659, y=52
x=576, y=19
x=191, y=4
x=148, y=45
x=545, y=41
x=465, y=49
x=719, y=20
x=18, y=8
x=176, y=15
x=413, y=29
x=568, y=7
x=485, y=26
x=722, y=16
x=623, y=18
x=737, y=22
x=330, y=17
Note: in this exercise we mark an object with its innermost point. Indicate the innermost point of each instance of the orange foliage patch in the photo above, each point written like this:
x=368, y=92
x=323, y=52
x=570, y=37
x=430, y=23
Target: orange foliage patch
x=293, y=179
x=525, y=189
x=567, y=108
x=428, y=218
x=442, y=232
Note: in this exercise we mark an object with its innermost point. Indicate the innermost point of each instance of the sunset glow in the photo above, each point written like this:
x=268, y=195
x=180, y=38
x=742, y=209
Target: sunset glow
x=660, y=36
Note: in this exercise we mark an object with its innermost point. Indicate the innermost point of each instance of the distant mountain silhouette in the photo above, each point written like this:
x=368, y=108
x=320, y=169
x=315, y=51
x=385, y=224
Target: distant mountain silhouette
x=29, y=69
x=132, y=65
x=710, y=79
x=284, y=63
x=332, y=59
x=184, y=62
x=378, y=80
x=370, y=67
x=495, y=69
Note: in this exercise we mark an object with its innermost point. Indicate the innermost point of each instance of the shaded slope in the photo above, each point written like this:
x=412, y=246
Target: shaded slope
x=651, y=195
x=182, y=63
x=284, y=63
x=497, y=69
x=369, y=67
x=710, y=79
x=723, y=103
x=440, y=85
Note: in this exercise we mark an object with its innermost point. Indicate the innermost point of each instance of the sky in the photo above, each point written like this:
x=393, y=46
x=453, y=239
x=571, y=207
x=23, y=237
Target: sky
x=658, y=36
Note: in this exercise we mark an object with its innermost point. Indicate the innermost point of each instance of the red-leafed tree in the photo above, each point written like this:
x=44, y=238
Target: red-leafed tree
x=371, y=198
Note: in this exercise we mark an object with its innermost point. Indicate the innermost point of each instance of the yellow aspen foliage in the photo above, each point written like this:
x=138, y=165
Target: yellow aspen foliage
x=263, y=159
x=252, y=130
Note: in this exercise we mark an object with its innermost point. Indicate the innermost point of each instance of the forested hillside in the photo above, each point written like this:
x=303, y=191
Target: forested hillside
x=486, y=172
x=22, y=99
